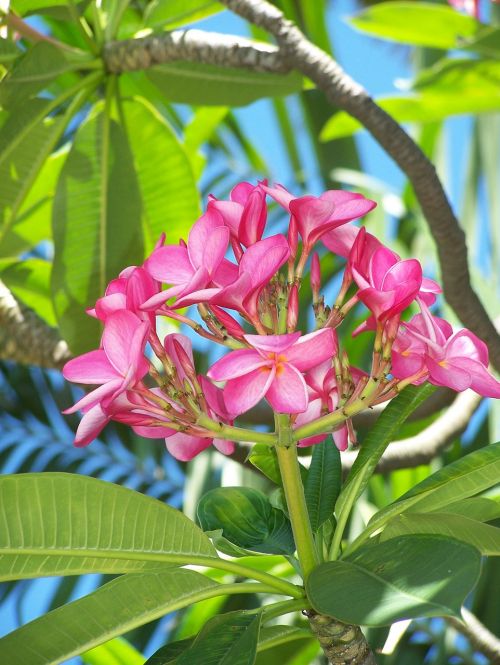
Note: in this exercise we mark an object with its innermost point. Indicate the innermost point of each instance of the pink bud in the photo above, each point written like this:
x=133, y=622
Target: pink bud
x=293, y=309
x=184, y=359
x=293, y=237
x=315, y=275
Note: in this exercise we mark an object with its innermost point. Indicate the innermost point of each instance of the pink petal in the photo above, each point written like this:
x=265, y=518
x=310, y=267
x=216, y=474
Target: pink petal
x=119, y=332
x=215, y=399
x=170, y=264
x=482, y=381
x=406, y=364
x=140, y=287
x=153, y=432
x=311, y=212
x=109, y=304
x=454, y=377
x=200, y=234
x=465, y=344
x=288, y=392
x=382, y=260
x=215, y=248
x=95, y=396
x=185, y=446
x=90, y=426
x=340, y=240
x=223, y=446
x=246, y=391
x=91, y=367
x=226, y=273
x=273, y=343
x=263, y=259
x=253, y=219
x=280, y=195
x=230, y=212
x=312, y=349
x=341, y=438
x=235, y=364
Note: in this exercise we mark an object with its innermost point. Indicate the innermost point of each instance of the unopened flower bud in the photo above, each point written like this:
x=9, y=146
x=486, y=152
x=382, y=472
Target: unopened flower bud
x=293, y=238
x=292, y=315
x=184, y=360
x=315, y=276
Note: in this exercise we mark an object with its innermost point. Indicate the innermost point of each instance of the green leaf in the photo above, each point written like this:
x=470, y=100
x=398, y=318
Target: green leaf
x=174, y=13
x=33, y=221
x=323, y=482
x=483, y=509
x=227, y=639
x=273, y=636
x=23, y=7
x=426, y=107
x=9, y=51
x=417, y=23
x=208, y=85
x=170, y=198
x=96, y=225
x=29, y=280
x=459, y=480
x=404, y=578
x=459, y=76
x=168, y=654
x=377, y=440
x=263, y=457
x=483, y=537
x=68, y=517
x=117, y=607
x=486, y=42
x=114, y=652
x=41, y=65
x=247, y=519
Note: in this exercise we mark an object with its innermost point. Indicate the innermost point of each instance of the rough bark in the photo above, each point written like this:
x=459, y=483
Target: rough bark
x=193, y=46
x=342, y=644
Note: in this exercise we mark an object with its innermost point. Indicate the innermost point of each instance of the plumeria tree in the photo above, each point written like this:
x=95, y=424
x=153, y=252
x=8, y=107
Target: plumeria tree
x=318, y=340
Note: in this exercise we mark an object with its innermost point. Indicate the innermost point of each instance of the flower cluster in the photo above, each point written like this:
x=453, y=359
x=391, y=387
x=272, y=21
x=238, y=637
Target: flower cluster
x=246, y=285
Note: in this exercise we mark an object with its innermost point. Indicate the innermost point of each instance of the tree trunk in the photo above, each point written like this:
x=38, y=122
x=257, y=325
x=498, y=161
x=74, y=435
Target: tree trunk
x=342, y=644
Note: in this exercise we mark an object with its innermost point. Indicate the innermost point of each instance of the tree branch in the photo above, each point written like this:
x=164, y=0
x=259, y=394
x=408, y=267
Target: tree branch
x=25, y=337
x=478, y=635
x=193, y=46
x=348, y=95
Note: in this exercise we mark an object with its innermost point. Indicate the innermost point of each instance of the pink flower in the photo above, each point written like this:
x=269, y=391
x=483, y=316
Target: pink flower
x=386, y=285
x=117, y=366
x=129, y=291
x=245, y=214
x=324, y=398
x=259, y=264
x=272, y=369
x=193, y=268
x=458, y=360
x=317, y=215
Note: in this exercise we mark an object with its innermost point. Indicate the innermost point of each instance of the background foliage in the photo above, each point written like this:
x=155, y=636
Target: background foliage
x=93, y=167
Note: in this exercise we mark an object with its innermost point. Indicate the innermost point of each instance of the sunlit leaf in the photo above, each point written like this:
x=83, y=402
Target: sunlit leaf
x=173, y=13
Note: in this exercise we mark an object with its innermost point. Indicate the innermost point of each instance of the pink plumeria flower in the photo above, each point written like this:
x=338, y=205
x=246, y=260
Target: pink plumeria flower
x=116, y=367
x=386, y=285
x=459, y=360
x=324, y=398
x=317, y=215
x=245, y=214
x=194, y=270
x=259, y=264
x=272, y=369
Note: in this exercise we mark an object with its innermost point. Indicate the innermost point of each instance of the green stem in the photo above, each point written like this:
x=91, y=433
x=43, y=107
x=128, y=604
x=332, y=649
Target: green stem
x=231, y=433
x=286, y=451
x=283, y=607
x=83, y=27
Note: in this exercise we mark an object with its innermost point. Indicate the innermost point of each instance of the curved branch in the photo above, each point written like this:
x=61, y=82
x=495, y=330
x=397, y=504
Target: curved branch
x=348, y=95
x=427, y=444
x=25, y=337
x=193, y=46
x=478, y=635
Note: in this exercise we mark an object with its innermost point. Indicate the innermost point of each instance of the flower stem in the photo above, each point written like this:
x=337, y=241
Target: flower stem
x=230, y=433
x=286, y=451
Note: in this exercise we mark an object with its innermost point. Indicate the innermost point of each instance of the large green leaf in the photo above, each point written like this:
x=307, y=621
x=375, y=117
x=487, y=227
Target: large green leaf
x=170, y=199
x=173, y=13
x=23, y=7
x=385, y=430
x=417, y=23
x=227, y=639
x=29, y=280
x=206, y=85
x=114, y=652
x=33, y=221
x=41, y=64
x=96, y=225
x=323, y=482
x=117, y=607
x=247, y=519
x=467, y=476
x=481, y=508
x=483, y=537
x=65, y=517
x=404, y=578
x=9, y=51
x=486, y=42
